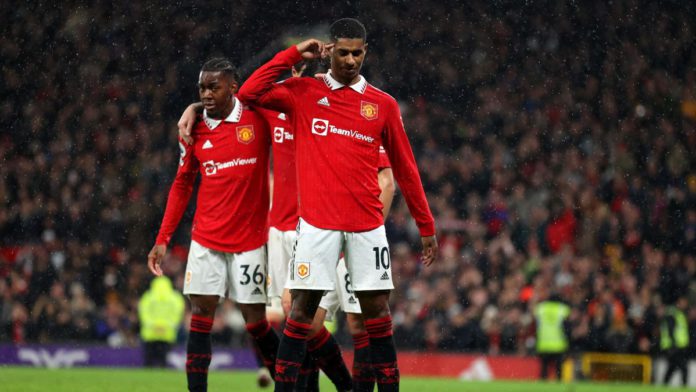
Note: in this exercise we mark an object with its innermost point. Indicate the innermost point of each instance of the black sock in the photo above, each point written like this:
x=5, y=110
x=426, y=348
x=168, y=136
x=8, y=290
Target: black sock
x=267, y=342
x=383, y=353
x=308, y=379
x=363, y=377
x=198, y=353
x=325, y=350
x=291, y=352
x=313, y=380
x=257, y=354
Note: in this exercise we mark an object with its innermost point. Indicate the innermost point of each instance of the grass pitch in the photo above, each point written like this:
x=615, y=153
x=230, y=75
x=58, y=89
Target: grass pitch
x=28, y=379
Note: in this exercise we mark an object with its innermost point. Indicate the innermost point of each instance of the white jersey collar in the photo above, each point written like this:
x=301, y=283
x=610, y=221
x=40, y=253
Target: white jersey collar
x=334, y=84
x=234, y=116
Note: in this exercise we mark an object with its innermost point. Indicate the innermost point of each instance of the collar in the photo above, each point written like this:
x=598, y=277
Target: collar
x=234, y=116
x=334, y=84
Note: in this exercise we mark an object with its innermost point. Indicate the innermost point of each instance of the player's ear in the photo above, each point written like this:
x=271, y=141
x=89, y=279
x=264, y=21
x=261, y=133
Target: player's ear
x=234, y=86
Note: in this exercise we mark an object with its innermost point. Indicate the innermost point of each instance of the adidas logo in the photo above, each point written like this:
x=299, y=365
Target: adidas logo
x=385, y=276
x=257, y=291
x=324, y=101
x=207, y=145
x=351, y=300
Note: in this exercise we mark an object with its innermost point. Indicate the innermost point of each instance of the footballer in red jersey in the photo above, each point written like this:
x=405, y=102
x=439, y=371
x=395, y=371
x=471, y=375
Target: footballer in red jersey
x=339, y=124
x=343, y=297
x=282, y=235
x=230, y=150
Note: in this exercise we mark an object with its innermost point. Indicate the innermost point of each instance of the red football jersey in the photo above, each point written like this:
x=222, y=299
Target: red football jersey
x=284, y=213
x=232, y=205
x=383, y=159
x=338, y=132
x=284, y=206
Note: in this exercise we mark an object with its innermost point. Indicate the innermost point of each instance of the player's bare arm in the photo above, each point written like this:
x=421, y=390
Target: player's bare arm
x=187, y=121
x=430, y=250
x=385, y=178
x=155, y=257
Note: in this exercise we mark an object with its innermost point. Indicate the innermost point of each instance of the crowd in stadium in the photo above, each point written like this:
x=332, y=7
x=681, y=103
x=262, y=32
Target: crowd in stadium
x=553, y=144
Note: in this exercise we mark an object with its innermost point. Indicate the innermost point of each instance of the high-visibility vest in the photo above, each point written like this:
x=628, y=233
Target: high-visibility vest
x=551, y=337
x=680, y=333
x=161, y=310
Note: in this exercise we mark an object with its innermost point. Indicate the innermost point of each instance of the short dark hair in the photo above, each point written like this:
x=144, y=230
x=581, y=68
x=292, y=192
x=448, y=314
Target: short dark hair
x=347, y=28
x=223, y=65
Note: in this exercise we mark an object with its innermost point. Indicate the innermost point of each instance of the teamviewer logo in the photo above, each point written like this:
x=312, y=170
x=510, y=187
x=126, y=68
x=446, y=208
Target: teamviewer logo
x=278, y=133
x=210, y=168
x=320, y=127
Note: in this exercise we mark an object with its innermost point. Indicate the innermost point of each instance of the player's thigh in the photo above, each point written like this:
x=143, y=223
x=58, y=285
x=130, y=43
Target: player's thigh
x=368, y=260
x=247, y=276
x=206, y=271
x=280, y=246
x=313, y=266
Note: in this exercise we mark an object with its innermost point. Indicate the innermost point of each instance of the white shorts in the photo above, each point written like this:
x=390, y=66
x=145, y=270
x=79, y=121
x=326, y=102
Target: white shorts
x=280, y=248
x=274, y=306
x=239, y=276
x=343, y=297
x=317, y=252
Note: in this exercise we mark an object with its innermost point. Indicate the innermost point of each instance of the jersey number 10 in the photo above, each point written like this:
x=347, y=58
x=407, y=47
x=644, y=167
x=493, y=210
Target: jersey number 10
x=382, y=257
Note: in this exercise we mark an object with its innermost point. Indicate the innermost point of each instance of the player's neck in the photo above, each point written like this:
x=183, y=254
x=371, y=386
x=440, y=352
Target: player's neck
x=345, y=82
x=224, y=113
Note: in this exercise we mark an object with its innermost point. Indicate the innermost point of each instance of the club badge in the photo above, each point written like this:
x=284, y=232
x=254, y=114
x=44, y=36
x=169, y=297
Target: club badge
x=245, y=134
x=303, y=270
x=369, y=110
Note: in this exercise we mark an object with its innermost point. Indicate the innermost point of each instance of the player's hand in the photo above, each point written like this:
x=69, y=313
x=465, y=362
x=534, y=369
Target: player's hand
x=312, y=49
x=430, y=250
x=155, y=257
x=319, y=76
x=296, y=73
x=185, y=124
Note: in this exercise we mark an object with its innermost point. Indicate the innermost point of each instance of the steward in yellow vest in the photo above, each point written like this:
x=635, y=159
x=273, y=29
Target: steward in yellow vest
x=551, y=339
x=161, y=310
x=674, y=339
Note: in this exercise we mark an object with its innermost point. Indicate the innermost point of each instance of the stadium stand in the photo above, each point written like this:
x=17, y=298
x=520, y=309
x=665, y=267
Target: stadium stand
x=553, y=142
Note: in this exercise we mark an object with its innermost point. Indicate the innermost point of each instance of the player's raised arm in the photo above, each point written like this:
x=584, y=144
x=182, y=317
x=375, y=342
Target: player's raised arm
x=179, y=195
x=260, y=88
x=406, y=173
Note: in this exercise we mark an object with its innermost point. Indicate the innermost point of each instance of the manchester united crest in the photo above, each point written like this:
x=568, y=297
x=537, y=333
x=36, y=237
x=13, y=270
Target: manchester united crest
x=369, y=110
x=303, y=270
x=245, y=134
